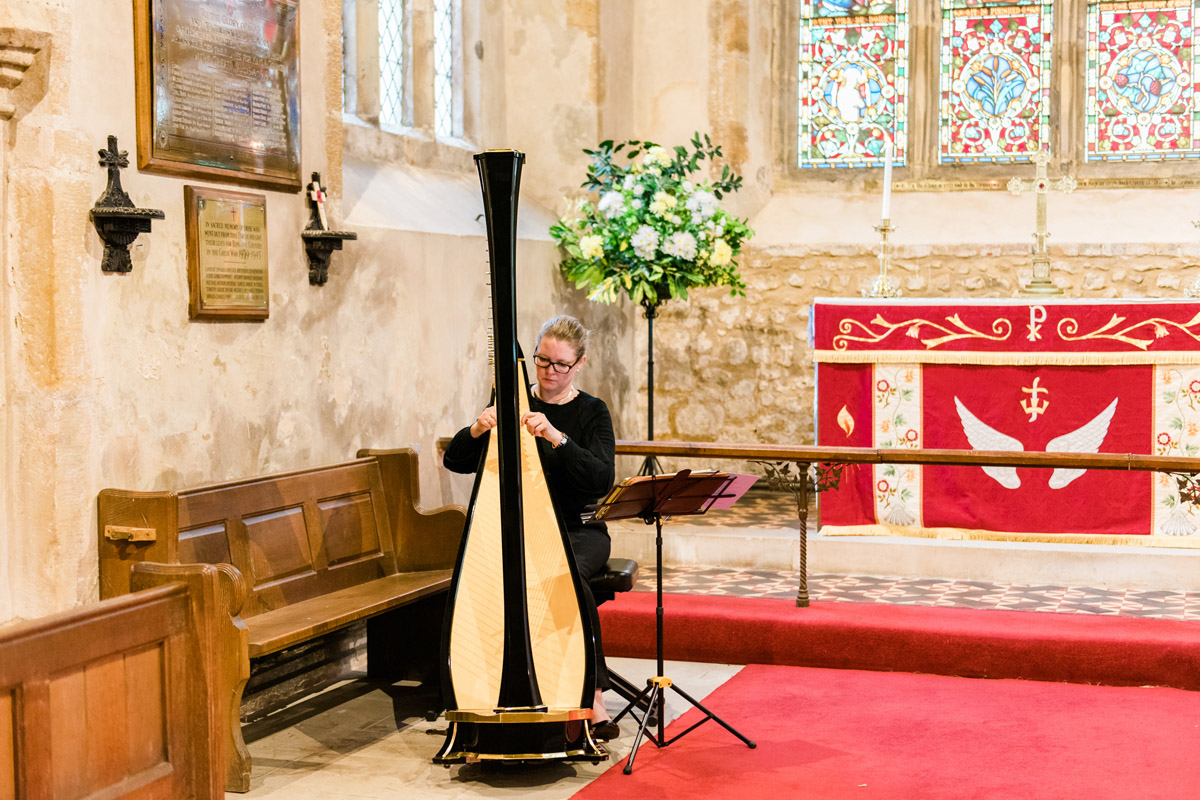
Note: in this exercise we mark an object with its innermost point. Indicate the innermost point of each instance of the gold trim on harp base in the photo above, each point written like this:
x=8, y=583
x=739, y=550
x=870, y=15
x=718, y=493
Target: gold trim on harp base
x=519, y=715
x=463, y=743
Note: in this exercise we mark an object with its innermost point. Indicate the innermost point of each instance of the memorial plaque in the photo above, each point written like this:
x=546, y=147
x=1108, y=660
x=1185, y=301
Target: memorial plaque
x=227, y=254
x=218, y=93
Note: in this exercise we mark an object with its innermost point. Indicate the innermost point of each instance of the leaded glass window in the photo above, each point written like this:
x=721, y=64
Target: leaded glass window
x=853, y=82
x=443, y=65
x=995, y=81
x=1141, y=81
x=391, y=62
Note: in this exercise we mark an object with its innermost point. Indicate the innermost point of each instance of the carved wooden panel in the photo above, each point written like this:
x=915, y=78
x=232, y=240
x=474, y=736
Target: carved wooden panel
x=147, y=712
x=8, y=755
x=278, y=545
x=349, y=526
x=206, y=545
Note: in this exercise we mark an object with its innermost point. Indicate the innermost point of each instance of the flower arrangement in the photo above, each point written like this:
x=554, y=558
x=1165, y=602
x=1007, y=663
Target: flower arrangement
x=652, y=230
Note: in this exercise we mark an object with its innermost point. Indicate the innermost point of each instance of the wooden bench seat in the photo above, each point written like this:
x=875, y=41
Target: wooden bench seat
x=303, y=554
x=273, y=631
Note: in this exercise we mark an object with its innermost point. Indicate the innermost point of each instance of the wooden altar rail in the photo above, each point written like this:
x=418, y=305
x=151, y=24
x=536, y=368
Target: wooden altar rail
x=806, y=454
x=903, y=455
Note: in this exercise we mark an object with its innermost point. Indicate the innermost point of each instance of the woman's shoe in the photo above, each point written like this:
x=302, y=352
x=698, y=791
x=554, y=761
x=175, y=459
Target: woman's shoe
x=606, y=730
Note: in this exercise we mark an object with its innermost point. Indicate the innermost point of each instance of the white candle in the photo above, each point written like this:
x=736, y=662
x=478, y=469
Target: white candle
x=887, y=181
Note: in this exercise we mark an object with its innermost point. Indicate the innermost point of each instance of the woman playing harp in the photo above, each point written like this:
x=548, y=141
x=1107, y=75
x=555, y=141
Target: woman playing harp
x=576, y=441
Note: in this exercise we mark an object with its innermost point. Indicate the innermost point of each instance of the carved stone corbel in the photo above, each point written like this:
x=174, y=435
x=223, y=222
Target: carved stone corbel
x=19, y=51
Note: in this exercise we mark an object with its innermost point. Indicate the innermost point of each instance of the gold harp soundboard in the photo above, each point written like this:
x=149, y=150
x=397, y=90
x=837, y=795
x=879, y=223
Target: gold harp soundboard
x=518, y=652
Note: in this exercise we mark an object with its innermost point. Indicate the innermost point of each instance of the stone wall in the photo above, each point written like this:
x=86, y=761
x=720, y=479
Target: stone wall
x=739, y=369
x=107, y=383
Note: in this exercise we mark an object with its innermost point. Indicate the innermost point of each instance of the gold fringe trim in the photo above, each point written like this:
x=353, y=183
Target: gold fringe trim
x=1005, y=359
x=966, y=535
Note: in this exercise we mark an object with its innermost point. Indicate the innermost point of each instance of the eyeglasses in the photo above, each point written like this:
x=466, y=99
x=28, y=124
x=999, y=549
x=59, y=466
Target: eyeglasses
x=557, y=366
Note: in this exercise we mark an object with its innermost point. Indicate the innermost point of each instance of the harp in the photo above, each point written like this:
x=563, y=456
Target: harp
x=518, y=652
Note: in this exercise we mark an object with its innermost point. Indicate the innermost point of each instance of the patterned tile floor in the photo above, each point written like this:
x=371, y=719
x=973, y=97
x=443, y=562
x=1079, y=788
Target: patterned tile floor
x=927, y=592
x=773, y=510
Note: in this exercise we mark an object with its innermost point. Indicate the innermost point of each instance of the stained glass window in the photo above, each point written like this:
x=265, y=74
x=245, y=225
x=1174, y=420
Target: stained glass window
x=443, y=67
x=1141, y=81
x=391, y=62
x=853, y=82
x=995, y=81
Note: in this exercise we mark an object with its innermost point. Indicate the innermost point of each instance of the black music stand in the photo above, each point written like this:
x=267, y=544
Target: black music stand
x=651, y=498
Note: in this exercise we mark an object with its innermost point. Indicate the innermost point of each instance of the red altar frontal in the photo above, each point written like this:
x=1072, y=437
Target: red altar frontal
x=1035, y=375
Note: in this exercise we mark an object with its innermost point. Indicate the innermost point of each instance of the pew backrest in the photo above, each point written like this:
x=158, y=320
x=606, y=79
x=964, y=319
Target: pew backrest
x=292, y=536
x=111, y=700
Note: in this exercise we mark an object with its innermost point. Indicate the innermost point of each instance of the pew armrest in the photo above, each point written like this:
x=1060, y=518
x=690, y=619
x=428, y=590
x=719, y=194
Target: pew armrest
x=218, y=592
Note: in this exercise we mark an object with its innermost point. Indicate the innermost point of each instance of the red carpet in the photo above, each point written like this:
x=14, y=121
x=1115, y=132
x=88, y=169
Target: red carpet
x=833, y=734
x=1078, y=648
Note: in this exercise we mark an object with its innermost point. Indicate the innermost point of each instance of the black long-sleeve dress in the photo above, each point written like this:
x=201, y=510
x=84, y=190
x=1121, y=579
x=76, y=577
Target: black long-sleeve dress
x=578, y=474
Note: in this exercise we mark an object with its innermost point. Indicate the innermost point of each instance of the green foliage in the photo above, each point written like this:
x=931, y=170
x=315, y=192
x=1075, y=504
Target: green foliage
x=651, y=229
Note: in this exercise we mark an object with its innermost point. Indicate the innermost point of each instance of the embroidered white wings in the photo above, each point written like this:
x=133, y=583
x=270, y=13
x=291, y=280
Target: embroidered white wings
x=982, y=436
x=1084, y=439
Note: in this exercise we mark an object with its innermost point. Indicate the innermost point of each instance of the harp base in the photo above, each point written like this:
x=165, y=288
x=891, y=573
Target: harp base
x=517, y=736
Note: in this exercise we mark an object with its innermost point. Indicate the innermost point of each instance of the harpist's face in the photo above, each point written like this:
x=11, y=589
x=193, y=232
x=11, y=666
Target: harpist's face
x=560, y=354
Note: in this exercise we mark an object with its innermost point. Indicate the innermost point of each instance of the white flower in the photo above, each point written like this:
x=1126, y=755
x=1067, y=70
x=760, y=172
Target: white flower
x=635, y=203
x=639, y=190
x=722, y=253
x=645, y=242
x=611, y=204
x=628, y=184
x=656, y=155
x=591, y=246
x=661, y=202
x=681, y=244
x=687, y=186
x=703, y=203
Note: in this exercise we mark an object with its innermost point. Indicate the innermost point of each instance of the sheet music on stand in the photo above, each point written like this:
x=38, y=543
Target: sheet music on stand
x=673, y=494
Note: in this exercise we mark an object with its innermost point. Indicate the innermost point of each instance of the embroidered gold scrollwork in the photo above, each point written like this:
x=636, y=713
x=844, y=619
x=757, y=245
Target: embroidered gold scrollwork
x=1001, y=328
x=1068, y=328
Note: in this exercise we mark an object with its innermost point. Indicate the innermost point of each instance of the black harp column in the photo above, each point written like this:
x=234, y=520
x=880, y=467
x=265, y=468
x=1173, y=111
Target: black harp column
x=500, y=179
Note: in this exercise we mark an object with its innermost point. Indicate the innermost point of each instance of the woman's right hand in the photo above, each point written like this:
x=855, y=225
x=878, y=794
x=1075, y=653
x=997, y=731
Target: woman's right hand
x=486, y=421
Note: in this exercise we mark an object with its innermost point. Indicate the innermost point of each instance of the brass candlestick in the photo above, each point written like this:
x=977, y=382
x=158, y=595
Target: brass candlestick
x=883, y=286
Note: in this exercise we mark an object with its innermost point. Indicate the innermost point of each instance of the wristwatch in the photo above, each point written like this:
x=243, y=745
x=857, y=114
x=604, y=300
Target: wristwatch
x=561, y=442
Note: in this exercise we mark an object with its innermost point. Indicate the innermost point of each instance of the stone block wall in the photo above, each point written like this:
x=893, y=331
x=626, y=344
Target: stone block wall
x=736, y=369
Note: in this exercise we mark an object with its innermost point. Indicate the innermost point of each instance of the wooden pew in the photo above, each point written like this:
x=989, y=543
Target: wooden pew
x=113, y=700
x=309, y=552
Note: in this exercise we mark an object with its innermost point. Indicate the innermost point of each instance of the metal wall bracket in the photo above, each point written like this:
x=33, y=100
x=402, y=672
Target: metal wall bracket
x=319, y=241
x=116, y=219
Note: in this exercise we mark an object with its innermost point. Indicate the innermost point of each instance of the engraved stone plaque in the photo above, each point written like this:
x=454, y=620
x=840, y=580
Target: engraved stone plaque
x=218, y=90
x=227, y=254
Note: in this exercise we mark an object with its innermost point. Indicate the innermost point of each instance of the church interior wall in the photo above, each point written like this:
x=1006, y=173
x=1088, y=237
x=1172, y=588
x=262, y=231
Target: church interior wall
x=107, y=382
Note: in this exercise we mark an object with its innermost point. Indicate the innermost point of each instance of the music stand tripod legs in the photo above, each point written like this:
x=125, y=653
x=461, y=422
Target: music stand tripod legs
x=658, y=685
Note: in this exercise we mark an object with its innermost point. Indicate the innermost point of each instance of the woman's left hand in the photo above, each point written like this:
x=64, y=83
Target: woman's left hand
x=537, y=424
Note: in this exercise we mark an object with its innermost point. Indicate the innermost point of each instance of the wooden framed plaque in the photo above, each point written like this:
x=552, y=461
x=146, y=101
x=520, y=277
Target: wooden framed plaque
x=218, y=90
x=226, y=254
